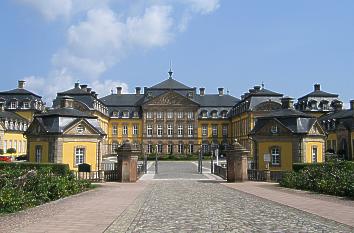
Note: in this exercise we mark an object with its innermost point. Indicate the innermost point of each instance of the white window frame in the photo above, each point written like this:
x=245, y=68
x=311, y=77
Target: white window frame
x=149, y=130
x=274, y=129
x=314, y=154
x=159, y=148
x=169, y=115
x=125, y=114
x=79, y=155
x=13, y=104
x=38, y=153
x=149, y=115
x=275, y=156
x=190, y=130
x=224, y=130
x=180, y=131
x=170, y=148
x=125, y=130
x=180, y=148
x=214, y=129
x=159, y=130
x=204, y=130
x=26, y=105
x=159, y=115
x=191, y=148
x=135, y=130
x=180, y=115
x=190, y=115
x=149, y=149
x=115, y=130
x=169, y=130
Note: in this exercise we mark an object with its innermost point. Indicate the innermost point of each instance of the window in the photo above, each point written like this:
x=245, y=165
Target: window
x=125, y=114
x=314, y=154
x=180, y=148
x=19, y=149
x=190, y=130
x=205, y=148
x=26, y=105
x=38, y=154
x=5, y=146
x=149, y=130
x=125, y=130
x=169, y=130
x=149, y=149
x=275, y=153
x=115, y=130
x=135, y=114
x=15, y=145
x=204, y=130
x=274, y=129
x=159, y=148
x=224, y=130
x=215, y=130
x=204, y=114
x=180, y=130
x=214, y=114
x=79, y=156
x=25, y=127
x=135, y=130
x=159, y=115
x=114, y=147
x=149, y=115
x=191, y=148
x=159, y=130
x=179, y=115
x=224, y=114
x=11, y=125
x=115, y=114
x=169, y=115
x=170, y=148
x=190, y=115
x=80, y=129
x=24, y=146
x=13, y=104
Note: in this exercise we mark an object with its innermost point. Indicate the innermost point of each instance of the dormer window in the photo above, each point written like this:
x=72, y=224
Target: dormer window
x=214, y=114
x=136, y=114
x=6, y=124
x=13, y=104
x=26, y=105
x=125, y=114
x=190, y=95
x=115, y=114
x=80, y=129
x=274, y=129
x=204, y=114
x=224, y=114
x=11, y=125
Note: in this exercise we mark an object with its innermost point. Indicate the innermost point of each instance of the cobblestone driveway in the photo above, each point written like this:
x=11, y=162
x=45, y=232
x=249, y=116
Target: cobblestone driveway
x=207, y=206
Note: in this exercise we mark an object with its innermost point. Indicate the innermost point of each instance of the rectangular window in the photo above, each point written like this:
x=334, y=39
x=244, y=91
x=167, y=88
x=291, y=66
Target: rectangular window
x=275, y=153
x=114, y=147
x=149, y=130
x=169, y=130
x=26, y=105
x=38, y=154
x=169, y=115
x=125, y=130
x=15, y=145
x=190, y=131
x=159, y=130
x=314, y=154
x=190, y=115
x=149, y=115
x=191, y=148
x=149, y=149
x=159, y=115
x=179, y=115
x=215, y=130
x=79, y=156
x=115, y=130
x=180, y=131
x=135, y=130
x=125, y=114
x=180, y=148
x=5, y=146
x=205, y=148
x=19, y=150
x=204, y=130
x=159, y=148
x=13, y=105
x=169, y=148
x=224, y=130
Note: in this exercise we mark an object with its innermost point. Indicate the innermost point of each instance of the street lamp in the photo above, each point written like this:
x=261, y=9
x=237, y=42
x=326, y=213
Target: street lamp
x=156, y=155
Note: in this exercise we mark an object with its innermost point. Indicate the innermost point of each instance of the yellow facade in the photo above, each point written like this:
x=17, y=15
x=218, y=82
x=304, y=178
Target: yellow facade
x=28, y=115
x=16, y=140
x=119, y=137
x=309, y=146
x=45, y=151
x=242, y=125
x=220, y=124
x=90, y=153
x=331, y=143
x=286, y=154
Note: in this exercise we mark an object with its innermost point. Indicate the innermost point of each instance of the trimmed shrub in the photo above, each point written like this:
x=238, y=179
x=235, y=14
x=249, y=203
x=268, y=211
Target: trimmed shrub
x=55, y=168
x=333, y=178
x=22, y=188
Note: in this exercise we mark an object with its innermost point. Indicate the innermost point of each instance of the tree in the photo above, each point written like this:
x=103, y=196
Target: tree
x=1, y=151
x=11, y=151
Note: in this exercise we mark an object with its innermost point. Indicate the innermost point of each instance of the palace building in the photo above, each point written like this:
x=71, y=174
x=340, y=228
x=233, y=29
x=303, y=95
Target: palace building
x=173, y=118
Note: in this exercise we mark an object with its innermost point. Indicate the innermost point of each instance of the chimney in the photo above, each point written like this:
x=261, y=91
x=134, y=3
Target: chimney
x=202, y=91
x=77, y=85
x=221, y=91
x=93, y=93
x=83, y=87
x=287, y=103
x=317, y=87
x=352, y=105
x=137, y=90
x=119, y=90
x=66, y=102
x=21, y=84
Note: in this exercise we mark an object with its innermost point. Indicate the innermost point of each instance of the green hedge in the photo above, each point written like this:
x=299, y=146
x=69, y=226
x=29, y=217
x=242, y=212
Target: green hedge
x=300, y=166
x=334, y=178
x=56, y=168
x=23, y=187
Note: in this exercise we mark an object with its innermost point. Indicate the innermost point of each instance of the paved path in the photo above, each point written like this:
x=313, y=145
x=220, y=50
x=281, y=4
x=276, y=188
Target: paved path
x=174, y=200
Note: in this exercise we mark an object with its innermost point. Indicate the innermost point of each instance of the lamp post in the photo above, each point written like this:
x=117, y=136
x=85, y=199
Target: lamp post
x=156, y=155
x=145, y=158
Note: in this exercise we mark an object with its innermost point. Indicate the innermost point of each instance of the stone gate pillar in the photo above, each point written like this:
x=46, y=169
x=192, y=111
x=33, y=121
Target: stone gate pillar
x=127, y=162
x=237, y=163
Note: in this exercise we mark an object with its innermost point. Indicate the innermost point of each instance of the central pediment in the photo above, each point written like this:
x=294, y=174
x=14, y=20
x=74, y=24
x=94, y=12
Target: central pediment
x=170, y=98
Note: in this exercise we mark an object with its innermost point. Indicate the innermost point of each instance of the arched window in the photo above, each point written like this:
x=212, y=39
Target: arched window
x=204, y=114
x=214, y=114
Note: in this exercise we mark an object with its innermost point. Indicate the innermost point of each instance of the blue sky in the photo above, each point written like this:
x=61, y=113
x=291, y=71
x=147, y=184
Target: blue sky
x=289, y=45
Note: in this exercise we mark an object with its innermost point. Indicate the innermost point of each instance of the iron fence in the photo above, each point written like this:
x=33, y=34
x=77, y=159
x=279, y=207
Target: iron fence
x=220, y=171
x=255, y=175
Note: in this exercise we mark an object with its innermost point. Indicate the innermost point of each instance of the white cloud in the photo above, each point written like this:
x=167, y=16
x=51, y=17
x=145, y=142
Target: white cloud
x=203, y=6
x=51, y=9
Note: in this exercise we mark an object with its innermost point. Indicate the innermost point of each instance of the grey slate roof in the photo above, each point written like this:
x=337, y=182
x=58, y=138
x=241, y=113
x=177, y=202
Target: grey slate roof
x=170, y=83
x=286, y=113
x=122, y=100
x=214, y=100
x=319, y=93
x=19, y=91
x=67, y=112
x=11, y=115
